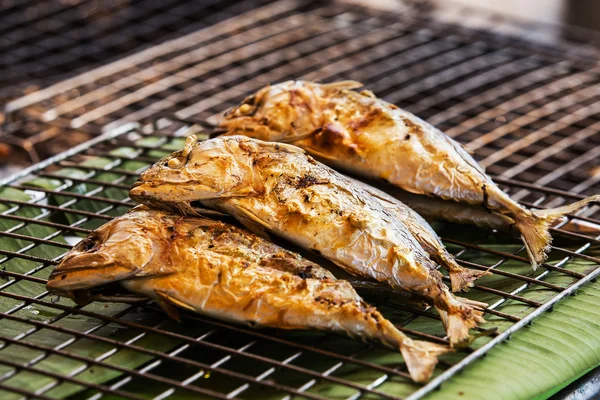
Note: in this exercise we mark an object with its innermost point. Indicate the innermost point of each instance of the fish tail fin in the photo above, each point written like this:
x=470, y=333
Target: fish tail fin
x=464, y=278
x=421, y=358
x=534, y=227
x=461, y=278
x=459, y=317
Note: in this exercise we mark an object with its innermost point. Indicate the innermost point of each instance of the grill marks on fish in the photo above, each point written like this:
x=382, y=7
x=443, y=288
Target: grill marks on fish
x=331, y=135
x=316, y=208
x=306, y=181
x=412, y=127
x=222, y=271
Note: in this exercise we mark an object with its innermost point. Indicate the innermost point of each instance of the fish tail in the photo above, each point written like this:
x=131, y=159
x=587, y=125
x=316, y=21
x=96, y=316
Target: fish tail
x=461, y=278
x=464, y=278
x=421, y=358
x=459, y=315
x=535, y=224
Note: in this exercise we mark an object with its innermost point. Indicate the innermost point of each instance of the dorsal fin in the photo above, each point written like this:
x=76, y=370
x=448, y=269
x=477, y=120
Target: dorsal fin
x=341, y=85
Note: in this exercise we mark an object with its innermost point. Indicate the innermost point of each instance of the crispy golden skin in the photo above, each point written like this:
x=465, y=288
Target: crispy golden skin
x=461, y=278
x=219, y=270
x=361, y=134
x=272, y=187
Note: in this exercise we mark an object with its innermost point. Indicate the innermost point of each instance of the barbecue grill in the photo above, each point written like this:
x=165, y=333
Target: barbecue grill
x=529, y=108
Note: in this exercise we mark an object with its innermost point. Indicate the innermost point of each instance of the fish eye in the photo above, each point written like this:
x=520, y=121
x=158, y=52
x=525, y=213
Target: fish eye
x=89, y=243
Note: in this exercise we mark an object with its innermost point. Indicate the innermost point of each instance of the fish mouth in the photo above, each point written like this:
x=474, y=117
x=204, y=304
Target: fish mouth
x=138, y=191
x=144, y=190
x=79, y=278
x=138, y=188
x=83, y=270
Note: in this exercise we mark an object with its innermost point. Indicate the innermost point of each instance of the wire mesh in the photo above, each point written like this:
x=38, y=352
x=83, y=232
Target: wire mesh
x=43, y=42
x=530, y=110
x=506, y=98
x=62, y=202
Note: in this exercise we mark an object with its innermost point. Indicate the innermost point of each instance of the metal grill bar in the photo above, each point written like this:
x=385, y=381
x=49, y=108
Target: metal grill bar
x=433, y=385
x=56, y=208
x=25, y=393
x=514, y=257
x=47, y=41
x=124, y=395
x=188, y=340
x=529, y=109
x=146, y=374
x=101, y=186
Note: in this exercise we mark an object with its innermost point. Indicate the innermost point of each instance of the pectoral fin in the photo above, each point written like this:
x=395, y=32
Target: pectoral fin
x=121, y=298
x=169, y=303
x=252, y=222
x=320, y=155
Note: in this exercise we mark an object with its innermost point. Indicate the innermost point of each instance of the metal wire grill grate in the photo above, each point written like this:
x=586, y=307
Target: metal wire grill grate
x=506, y=98
x=529, y=110
x=43, y=42
x=64, y=200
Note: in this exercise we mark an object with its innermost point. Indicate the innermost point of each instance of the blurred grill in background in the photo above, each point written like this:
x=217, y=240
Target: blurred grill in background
x=523, y=95
x=43, y=42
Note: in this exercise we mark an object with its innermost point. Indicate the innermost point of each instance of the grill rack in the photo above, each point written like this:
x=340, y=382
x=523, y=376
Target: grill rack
x=500, y=97
x=102, y=194
x=45, y=42
x=404, y=55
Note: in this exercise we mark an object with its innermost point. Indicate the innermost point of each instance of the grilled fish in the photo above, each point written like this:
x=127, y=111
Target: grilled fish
x=461, y=278
x=361, y=134
x=278, y=188
x=214, y=268
x=432, y=209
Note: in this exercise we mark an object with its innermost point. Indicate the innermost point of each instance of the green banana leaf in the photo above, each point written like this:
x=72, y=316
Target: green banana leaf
x=537, y=360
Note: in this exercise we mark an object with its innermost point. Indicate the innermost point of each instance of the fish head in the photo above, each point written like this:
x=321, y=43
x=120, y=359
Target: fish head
x=285, y=112
x=124, y=248
x=277, y=113
x=215, y=168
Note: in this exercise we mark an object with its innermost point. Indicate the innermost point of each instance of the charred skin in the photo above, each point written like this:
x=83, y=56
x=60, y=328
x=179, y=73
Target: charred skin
x=219, y=270
x=279, y=189
x=360, y=134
